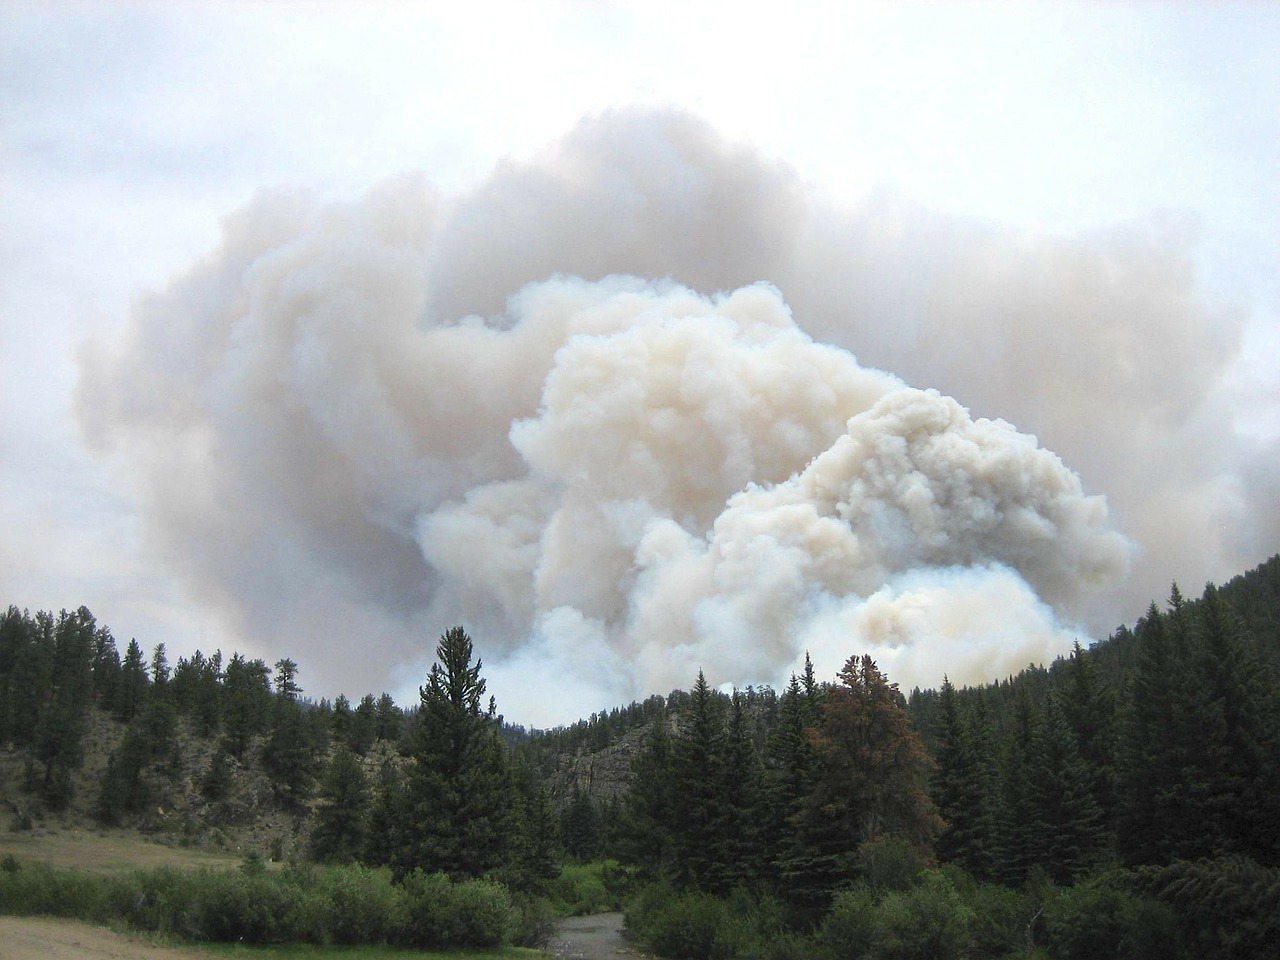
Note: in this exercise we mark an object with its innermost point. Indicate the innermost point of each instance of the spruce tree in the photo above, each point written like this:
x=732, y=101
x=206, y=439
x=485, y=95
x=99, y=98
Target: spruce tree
x=134, y=684
x=458, y=799
x=1067, y=835
x=387, y=816
x=961, y=789
x=534, y=836
x=788, y=780
x=197, y=692
x=160, y=672
x=217, y=779
x=698, y=829
x=286, y=679
x=579, y=826
x=341, y=720
x=341, y=817
x=106, y=669
x=1015, y=810
x=743, y=862
x=26, y=667
x=364, y=724
x=541, y=861
x=128, y=787
x=59, y=738
x=1156, y=817
x=871, y=782
x=1089, y=709
x=390, y=720
x=650, y=810
x=288, y=756
x=247, y=702
x=1232, y=742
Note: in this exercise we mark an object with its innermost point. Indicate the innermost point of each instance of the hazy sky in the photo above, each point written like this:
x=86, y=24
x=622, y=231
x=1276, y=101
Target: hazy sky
x=240, y=406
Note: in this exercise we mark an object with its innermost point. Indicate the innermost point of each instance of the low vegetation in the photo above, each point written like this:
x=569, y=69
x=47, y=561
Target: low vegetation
x=253, y=905
x=940, y=914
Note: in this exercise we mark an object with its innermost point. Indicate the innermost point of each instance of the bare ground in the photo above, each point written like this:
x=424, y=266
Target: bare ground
x=598, y=937
x=44, y=938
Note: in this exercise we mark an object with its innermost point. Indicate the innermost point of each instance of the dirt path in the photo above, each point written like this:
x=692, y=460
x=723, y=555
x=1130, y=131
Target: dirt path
x=44, y=938
x=597, y=937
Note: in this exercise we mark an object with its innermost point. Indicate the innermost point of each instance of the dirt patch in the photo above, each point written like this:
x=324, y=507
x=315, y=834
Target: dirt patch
x=598, y=937
x=42, y=938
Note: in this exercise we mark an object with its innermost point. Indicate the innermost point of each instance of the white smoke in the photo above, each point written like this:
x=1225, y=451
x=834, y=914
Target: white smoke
x=355, y=425
x=919, y=534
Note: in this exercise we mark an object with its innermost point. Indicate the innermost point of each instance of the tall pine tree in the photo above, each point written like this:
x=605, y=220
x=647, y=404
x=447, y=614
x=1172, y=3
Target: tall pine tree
x=458, y=801
x=788, y=778
x=871, y=782
x=1232, y=742
x=962, y=787
x=700, y=804
x=341, y=819
x=647, y=834
x=1067, y=835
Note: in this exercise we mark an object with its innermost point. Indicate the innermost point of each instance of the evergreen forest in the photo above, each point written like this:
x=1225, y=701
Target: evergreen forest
x=1122, y=801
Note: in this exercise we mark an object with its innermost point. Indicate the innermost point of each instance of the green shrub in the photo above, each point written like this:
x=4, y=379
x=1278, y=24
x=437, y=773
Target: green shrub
x=240, y=907
x=690, y=926
x=309, y=917
x=786, y=945
x=347, y=905
x=646, y=902
x=931, y=920
x=998, y=922
x=437, y=912
x=889, y=863
x=850, y=927
x=483, y=915
x=40, y=889
x=535, y=922
x=693, y=926
x=928, y=922
x=361, y=905
x=1099, y=920
x=158, y=900
x=581, y=889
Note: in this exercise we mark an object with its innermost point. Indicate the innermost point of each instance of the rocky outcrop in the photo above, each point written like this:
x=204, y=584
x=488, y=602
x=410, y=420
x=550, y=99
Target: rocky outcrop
x=604, y=775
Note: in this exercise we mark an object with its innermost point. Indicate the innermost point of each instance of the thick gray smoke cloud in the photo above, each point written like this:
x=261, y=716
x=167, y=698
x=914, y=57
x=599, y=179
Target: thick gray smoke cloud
x=354, y=425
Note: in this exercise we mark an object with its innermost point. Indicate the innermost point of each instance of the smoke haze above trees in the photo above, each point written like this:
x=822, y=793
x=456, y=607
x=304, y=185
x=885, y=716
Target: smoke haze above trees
x=562, y=408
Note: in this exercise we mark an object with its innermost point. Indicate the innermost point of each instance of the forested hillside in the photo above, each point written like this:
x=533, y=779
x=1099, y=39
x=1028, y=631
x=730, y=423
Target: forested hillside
x=1126, y=794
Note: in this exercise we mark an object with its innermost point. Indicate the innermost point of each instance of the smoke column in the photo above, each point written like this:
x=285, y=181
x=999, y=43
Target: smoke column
x=354, y=425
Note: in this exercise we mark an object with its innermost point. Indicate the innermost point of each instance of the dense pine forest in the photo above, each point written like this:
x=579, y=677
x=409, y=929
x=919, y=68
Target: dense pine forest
x=1123, y=801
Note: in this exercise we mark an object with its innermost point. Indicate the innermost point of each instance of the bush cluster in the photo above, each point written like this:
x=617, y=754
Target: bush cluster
x=699, y=926
x=339, y=905
x=942, y=915
x=1103, y=918
x=582, y=889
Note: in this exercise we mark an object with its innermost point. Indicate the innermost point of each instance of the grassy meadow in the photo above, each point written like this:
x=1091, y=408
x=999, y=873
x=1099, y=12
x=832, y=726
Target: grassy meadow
x=102, y=852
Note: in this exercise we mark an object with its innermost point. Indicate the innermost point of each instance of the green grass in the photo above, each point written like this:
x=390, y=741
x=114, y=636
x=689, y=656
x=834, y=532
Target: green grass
x=92, y=852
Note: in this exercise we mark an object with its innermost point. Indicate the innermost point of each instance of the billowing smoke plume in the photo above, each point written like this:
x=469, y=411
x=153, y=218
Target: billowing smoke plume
x=352, y=426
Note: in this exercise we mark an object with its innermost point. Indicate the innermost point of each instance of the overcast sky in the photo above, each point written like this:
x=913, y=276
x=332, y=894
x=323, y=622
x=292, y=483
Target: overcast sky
x=1087, y=192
